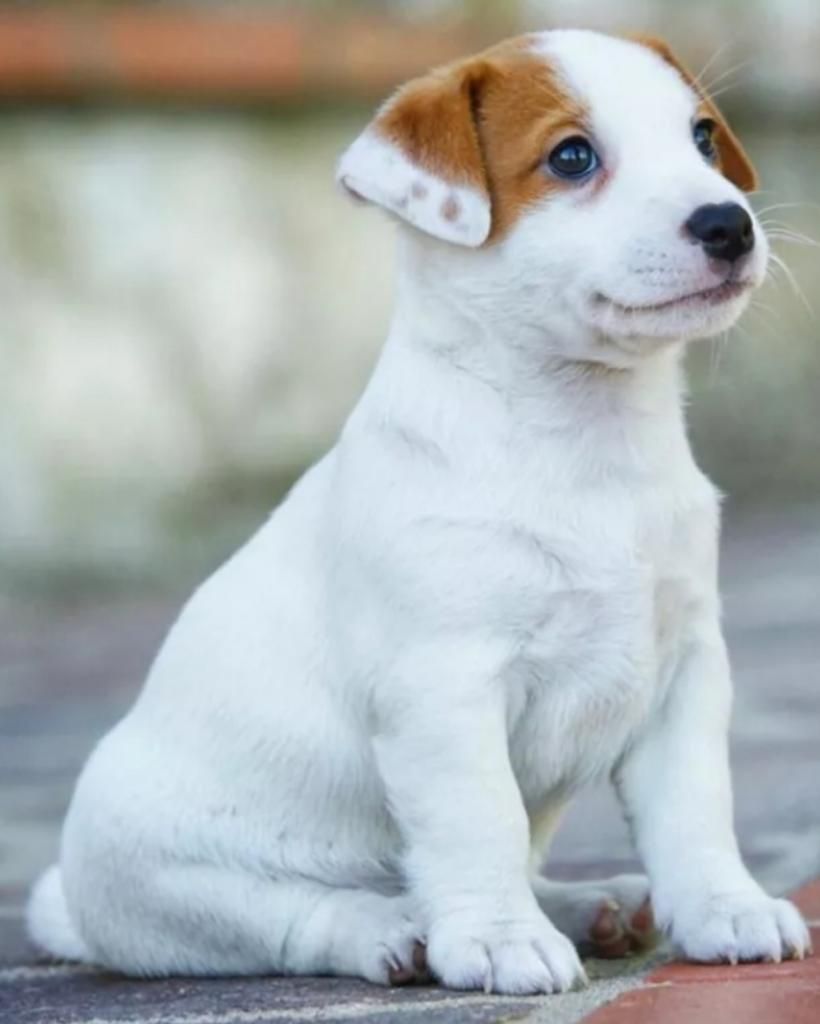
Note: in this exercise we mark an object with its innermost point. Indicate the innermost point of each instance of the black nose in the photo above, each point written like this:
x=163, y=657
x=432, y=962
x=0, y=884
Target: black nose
x=725, y=230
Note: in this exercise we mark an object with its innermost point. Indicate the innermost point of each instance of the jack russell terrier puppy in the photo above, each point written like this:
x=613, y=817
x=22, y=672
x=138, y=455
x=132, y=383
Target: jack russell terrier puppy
x=498, y=587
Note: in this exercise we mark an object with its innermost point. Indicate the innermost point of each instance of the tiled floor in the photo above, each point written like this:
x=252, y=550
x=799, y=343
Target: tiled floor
x=67, y=672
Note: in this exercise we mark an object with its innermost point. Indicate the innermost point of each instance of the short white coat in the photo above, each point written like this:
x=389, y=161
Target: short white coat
x=499, y=586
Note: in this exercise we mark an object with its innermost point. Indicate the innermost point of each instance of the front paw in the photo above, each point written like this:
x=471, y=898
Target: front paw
x=510, y=955
x=739, y=927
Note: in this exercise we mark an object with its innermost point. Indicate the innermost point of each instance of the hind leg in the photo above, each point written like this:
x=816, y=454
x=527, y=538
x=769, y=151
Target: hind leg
x=607, y=918
x=207, y=920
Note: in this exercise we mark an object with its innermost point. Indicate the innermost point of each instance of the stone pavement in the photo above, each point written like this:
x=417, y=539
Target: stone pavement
x=68, y=670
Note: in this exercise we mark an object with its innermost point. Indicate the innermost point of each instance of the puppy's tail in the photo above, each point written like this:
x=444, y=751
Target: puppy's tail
x=48, y=923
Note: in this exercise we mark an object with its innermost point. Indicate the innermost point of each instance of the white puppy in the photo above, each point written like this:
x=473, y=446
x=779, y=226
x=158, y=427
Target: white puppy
x=499, y=586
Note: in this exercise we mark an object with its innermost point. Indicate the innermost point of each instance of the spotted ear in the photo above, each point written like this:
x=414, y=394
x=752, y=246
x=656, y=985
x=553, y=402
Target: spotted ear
x=421, y=156
x=733, y=161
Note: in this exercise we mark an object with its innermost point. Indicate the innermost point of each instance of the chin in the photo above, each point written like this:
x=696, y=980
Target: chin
x=638, y=329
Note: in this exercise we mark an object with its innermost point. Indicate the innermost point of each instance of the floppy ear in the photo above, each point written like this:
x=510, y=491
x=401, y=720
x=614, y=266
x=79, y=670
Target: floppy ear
x=421, y=156
x=733, y=161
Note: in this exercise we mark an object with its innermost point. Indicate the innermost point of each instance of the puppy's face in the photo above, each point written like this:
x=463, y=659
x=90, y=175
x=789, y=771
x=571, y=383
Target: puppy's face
x=583, y=184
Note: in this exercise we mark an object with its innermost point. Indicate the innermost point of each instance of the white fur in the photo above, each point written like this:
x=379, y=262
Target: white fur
x=499, y=586
x=372, y=168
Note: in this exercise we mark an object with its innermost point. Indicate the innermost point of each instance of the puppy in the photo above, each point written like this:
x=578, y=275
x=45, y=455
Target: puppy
x=499, y=586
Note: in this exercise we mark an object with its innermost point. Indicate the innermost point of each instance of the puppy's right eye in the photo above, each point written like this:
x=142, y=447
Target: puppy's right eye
x=573, y=158
x=703, y=132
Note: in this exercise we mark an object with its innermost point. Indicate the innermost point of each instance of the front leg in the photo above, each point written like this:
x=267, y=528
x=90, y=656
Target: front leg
x=676, y=790
x=441, y=747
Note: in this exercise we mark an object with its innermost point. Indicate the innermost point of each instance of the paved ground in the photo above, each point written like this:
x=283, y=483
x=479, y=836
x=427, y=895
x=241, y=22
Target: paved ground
x=786, y=993
x=67, y=671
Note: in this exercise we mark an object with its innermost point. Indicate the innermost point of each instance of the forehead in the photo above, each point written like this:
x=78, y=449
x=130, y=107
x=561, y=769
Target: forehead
x=622, y=84
x=548, y=86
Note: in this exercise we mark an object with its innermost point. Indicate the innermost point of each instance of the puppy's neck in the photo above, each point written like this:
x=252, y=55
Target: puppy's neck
x=521, y=366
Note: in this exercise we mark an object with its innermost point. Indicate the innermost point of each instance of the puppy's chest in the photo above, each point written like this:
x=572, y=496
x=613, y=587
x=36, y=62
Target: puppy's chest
x=594, y=661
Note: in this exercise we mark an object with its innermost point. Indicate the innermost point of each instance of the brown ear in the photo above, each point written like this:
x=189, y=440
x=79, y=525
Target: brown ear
x=421, y=156
x=732, y=159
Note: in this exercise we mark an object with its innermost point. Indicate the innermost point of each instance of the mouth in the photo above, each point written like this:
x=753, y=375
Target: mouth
x=724, y=292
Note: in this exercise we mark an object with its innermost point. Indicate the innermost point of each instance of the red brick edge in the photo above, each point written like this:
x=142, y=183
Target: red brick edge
x=787, y=993
x=218, y=53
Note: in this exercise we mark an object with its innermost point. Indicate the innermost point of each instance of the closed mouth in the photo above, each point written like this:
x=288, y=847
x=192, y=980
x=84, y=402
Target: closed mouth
x=711, y=296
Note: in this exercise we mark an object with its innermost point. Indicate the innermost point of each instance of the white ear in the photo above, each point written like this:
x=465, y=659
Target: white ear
x=376, y=169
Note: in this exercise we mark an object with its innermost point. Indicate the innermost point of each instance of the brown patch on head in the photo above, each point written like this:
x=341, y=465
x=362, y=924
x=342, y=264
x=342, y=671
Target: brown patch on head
x=733, y=161
x=525, y=112
x=487, y=122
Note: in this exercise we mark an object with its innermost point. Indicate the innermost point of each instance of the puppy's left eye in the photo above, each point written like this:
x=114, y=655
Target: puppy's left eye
x=573, y=158
x=703, y=133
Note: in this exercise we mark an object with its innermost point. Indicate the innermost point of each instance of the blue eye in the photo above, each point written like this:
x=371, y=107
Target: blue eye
x=573, y=158
x=703, y=133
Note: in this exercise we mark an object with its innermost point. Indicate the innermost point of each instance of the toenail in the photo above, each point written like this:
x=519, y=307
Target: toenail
x=420, y=957
x=398, y=975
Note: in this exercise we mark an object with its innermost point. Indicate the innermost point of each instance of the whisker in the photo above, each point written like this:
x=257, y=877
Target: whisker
x=784, y=206
x=779, y=229
x=714, y=93
x=786, y=235
x=716, y=351
x=763, y=307
x=723, y=76
x=698, y=80
x=798, y=291
x=773, y=222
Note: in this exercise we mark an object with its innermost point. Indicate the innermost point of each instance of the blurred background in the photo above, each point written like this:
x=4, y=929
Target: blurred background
x=189, y=309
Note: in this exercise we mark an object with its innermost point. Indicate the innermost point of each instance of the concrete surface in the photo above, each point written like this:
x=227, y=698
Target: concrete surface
x=67, y=671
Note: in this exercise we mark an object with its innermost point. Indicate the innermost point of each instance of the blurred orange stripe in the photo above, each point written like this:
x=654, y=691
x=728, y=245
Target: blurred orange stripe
x=214, y=54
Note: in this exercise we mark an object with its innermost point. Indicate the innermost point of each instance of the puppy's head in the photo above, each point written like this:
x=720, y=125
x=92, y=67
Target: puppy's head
x=580, y=182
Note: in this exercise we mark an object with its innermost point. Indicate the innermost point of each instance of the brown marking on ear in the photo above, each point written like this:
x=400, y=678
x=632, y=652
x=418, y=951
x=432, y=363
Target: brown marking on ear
x=486, y=122
x=431, y=121
x=733, y=162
